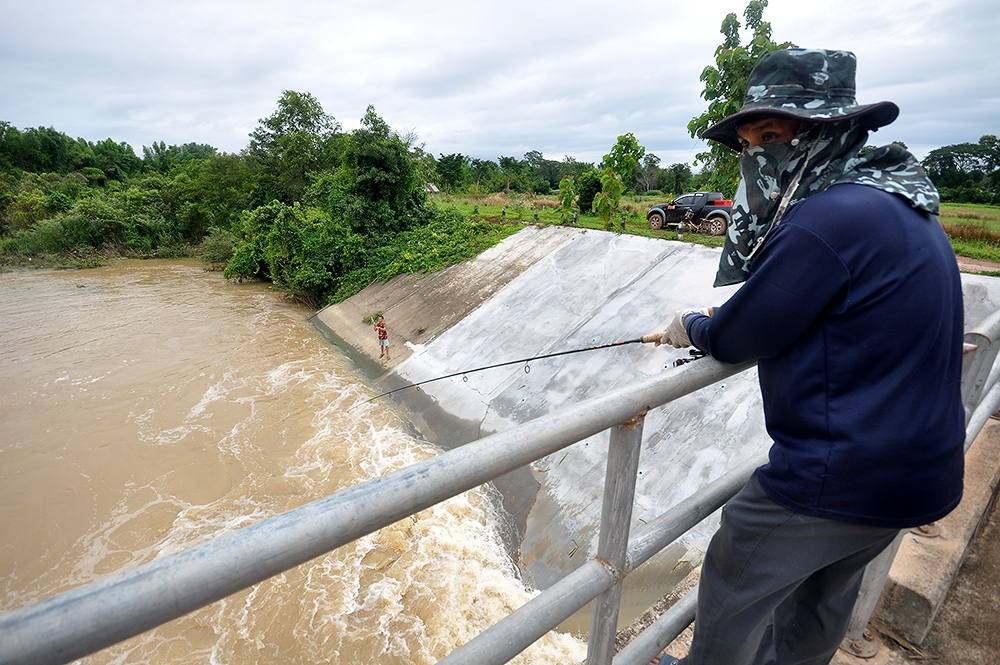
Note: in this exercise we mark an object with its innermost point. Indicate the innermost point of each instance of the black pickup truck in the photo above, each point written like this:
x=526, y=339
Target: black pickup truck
x=700, y=212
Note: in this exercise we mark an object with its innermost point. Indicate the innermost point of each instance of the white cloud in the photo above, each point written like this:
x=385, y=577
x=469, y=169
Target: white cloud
x=479, y=78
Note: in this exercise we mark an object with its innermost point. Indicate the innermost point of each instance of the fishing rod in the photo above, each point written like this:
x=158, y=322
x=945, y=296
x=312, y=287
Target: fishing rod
x=645, y=339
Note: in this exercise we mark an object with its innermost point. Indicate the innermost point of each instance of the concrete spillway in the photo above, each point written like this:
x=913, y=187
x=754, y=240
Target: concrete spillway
x=550, y=289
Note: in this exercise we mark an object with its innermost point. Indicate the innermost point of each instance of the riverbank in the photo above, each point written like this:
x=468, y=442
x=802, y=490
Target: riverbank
x=89, y=258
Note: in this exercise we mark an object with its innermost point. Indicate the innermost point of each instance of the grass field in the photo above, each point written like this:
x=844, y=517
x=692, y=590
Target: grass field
x=974, y=229
x=532, y=209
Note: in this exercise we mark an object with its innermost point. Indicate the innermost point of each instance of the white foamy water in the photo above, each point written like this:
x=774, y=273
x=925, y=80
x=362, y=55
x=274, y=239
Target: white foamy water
x=149, y=406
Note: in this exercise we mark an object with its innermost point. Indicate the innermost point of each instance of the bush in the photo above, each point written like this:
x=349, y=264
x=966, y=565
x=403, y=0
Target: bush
x=587, y=187
x=47, y=237
x=307, y=251
x=8, y=247
x=217, y=247
x=56, y=202
x=251, y=231
x=95, y=177
x=27, y=209
x=303, y=250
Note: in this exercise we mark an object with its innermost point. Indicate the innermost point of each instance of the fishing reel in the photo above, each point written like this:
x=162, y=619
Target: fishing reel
x=694, y=354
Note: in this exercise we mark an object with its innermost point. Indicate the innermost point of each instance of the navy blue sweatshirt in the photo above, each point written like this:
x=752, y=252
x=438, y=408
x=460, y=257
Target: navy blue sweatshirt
x=853, y=310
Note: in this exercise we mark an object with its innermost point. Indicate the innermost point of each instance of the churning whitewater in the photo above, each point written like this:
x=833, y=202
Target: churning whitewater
x=148, y=406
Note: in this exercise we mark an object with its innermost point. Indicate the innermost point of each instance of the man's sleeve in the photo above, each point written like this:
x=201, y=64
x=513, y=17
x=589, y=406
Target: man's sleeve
x=798, y=278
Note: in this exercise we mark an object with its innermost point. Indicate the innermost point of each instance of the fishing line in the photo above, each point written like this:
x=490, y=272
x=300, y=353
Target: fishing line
x=527, y=368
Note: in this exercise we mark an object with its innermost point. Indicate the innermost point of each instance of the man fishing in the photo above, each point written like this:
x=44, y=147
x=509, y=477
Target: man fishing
x=852, y=308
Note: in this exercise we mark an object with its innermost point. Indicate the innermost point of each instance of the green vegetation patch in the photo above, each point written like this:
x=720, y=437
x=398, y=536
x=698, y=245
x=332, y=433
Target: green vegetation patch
x=450, y=238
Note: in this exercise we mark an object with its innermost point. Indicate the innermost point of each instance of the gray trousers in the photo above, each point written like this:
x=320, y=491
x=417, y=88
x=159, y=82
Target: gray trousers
x=777, y=587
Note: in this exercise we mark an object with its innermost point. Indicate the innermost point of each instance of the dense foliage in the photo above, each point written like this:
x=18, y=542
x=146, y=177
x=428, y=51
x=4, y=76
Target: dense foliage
x=302, y=206
x=459, y=174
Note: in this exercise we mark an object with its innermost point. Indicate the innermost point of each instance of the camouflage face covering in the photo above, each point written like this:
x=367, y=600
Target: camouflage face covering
x=776, y=177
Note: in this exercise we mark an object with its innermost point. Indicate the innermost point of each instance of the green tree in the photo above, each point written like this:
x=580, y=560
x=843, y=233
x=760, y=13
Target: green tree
x=217, y=248
x=301, y=249
x=567, y=198
x=990, y=146
x=425, y=165
x=648, y=173
x=967, y=172
x=624, y=157
x=725, y=87
x=485, y=173
x=958, y=165
x=8, y=137
x=569, y=166
x=607, y=201
x=164, y=158
x=210, y=192
x=512, y=174
x=295, y=140
x=453, y=171
x=677, y=179
x=116, y=160
x=376, y=189
x=544, y=174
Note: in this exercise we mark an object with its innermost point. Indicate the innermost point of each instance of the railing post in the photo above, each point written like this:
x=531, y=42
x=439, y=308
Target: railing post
x=616, y=513
x=979, y=354
x=857, y=642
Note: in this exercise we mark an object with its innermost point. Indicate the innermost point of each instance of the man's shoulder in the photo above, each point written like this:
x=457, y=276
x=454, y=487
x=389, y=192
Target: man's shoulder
x=847, y=209
x=850, y=198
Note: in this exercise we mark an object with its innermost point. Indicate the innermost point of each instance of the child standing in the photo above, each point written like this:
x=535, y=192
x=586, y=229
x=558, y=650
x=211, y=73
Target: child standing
x=383, y=337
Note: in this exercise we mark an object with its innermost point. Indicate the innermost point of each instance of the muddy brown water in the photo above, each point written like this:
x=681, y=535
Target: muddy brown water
x=147, y=406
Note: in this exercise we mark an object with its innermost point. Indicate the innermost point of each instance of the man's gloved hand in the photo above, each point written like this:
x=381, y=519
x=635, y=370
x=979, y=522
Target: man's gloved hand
x=676, y=334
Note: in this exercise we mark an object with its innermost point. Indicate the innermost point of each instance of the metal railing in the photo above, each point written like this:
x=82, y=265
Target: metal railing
x=125, y=604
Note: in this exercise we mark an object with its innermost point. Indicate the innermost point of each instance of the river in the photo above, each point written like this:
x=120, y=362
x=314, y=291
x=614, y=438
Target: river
x=147, y=406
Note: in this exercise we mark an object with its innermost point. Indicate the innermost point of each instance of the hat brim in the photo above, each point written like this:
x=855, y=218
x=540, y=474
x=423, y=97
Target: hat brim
x=872, y=116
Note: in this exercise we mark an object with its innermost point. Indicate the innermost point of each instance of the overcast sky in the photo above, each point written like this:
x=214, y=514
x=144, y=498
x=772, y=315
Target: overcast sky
x=481, y=78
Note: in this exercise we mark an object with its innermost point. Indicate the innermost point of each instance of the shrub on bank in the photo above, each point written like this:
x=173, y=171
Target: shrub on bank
x=448, y=239
x=217, y=247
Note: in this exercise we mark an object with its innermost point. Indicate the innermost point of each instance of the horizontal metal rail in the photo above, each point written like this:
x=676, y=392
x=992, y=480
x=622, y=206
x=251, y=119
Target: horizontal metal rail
x=127, y=603
x=518, y=630
x=660, y=633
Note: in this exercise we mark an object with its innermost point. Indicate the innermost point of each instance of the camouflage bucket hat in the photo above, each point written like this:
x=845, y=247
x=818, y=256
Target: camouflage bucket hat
x=807, y=84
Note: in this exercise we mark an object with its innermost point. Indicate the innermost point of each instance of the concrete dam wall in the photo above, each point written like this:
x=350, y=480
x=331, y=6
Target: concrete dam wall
x=551, y=289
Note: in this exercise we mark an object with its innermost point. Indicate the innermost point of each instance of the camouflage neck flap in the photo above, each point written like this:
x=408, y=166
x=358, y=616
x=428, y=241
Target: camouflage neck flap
x=775, y=177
